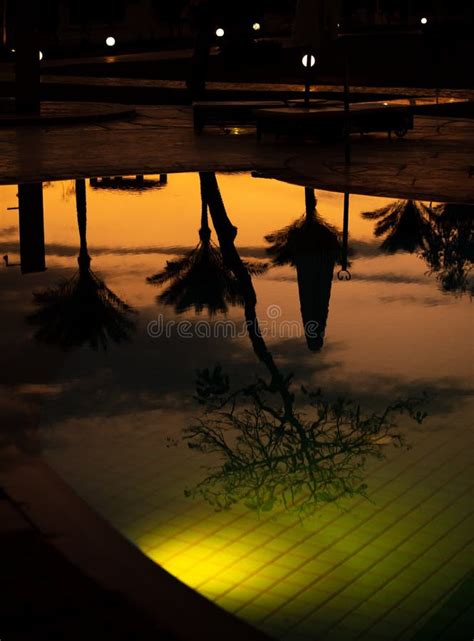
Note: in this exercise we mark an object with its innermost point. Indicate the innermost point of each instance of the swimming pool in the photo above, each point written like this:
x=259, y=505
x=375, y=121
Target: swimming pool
x=269, y=326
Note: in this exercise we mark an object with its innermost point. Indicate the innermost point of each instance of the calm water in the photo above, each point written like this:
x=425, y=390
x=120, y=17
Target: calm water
x=302, y=505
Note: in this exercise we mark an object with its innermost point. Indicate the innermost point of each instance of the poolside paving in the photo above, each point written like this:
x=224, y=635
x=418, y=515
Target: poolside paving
x=46, y=597
x=67, y=574
x=54, y=113
x=436, y=161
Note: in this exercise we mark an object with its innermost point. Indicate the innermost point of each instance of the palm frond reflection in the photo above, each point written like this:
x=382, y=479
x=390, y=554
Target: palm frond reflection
x=442, y=236
x=450, y=250
x=82, y=309
x=200, y=279
x=312, y=246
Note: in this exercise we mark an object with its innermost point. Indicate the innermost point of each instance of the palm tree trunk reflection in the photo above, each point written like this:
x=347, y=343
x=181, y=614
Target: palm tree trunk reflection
x=201, y=278
x=312, y=246
x=81, y=310
x=226, y=234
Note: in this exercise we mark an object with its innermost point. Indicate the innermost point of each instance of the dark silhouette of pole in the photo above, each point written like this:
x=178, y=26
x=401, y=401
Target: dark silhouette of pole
x=308, y=61
x=307, y=88
x=27, y=67
x=32, y=251
x=203, y=21
x=4, y=24
x=344, y=273
x=347, y=112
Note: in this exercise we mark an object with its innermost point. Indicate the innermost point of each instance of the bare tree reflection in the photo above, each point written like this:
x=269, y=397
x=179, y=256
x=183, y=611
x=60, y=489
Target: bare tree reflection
x=271, y=452
x=81, y=310
x=312, y=246
x=201, y=279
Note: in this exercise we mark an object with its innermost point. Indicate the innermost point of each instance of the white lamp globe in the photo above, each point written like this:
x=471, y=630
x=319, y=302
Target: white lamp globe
x=308, y=60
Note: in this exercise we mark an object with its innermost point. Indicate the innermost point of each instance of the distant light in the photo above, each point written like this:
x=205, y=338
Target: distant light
x=386, y=104
x=256, y=26
x=13, y=50
x=308, y=60
x=338, y=25
x=110, y=41
x=424, y=21
x=220, y=32
x=41, y=55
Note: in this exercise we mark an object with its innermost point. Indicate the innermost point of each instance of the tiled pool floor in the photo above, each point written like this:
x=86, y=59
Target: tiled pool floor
x=378, y=569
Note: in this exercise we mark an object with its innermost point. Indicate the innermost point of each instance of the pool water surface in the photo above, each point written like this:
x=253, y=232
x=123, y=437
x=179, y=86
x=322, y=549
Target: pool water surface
x=266, y=388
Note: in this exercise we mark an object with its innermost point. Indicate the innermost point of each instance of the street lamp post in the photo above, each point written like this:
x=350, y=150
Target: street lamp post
x=4, y=24
x=308, y=61
x=344, y=273
x=430, y=28
x=347, y=106
x=27, y=57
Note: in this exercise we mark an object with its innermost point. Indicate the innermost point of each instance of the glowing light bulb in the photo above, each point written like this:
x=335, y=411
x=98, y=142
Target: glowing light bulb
x=256, y=26
x=220, y=32
x=424, y=21
x=308, y=61
x=41, y=55
x=110, y=41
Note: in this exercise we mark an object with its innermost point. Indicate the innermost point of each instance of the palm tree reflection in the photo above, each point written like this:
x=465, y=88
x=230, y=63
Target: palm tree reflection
x=270, y=452
x=312, y=246
x=81, y=310
x=200, y=279
x=404, y=223
x=442, y=236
